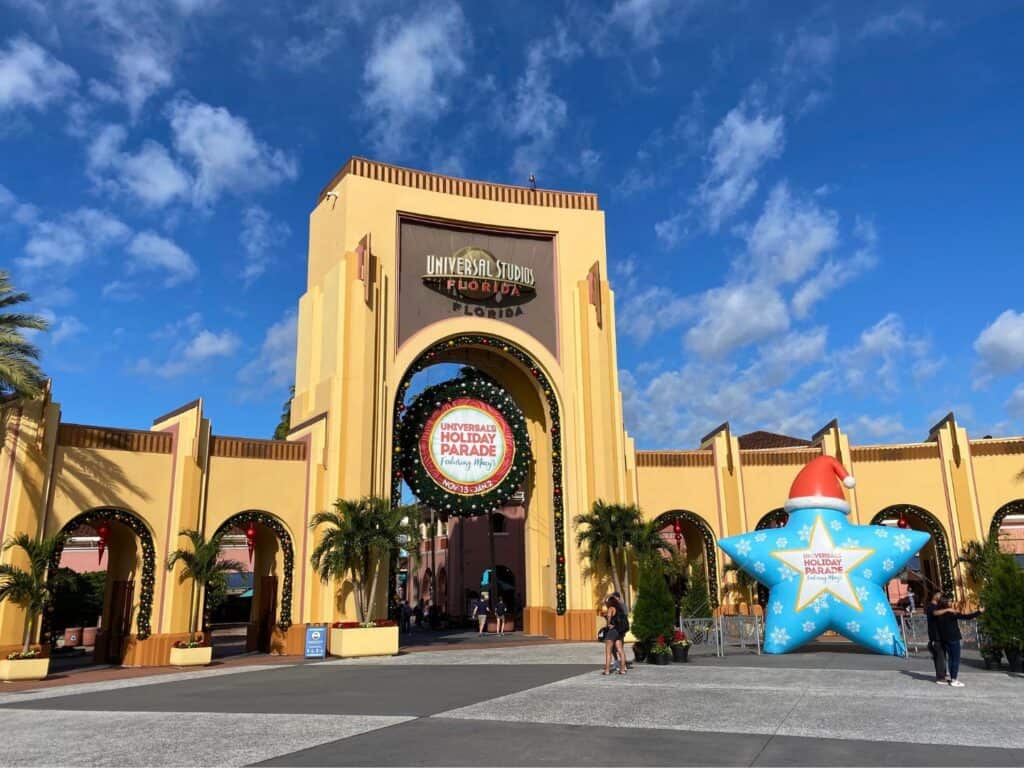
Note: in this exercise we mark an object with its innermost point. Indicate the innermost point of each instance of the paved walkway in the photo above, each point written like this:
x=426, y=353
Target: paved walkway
x=527, y=705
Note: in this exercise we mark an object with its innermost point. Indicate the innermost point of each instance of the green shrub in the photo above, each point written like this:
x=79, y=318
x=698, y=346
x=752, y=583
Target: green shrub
x=1002, y=599
x=654, y=612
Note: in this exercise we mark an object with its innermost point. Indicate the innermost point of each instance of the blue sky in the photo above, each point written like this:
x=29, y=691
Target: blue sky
x=813, y=211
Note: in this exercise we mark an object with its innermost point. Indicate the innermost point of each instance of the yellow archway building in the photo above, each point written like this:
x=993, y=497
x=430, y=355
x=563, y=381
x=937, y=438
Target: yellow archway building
x=384, y=297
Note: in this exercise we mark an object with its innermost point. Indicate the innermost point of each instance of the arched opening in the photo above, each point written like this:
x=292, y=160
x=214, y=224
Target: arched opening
x=466, y=545
x=119, y=583
x=929, y=570
x=695, y=543
x=1008, y=529
x=259, y=600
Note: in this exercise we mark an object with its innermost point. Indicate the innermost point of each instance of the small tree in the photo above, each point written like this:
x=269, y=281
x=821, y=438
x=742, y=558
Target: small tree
x=29, y=588
x=609, y=536
x=697, y=603
x=1002, y=598
x=978, y=557
x=359, y=537
x=284, y=424
x=202, y=565
x=654, y=613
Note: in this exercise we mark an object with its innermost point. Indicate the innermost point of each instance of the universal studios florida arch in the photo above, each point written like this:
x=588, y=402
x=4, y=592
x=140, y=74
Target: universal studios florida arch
x=405, y=270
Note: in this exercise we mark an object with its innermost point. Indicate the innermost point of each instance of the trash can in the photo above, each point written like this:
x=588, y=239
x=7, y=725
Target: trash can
x=72, y=637
x=89, y=636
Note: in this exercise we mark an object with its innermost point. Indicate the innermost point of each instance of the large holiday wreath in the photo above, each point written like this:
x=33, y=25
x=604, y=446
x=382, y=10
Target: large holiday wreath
x=491, y=411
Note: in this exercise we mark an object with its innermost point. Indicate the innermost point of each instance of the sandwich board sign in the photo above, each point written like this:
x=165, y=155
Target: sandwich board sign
x=316, y=641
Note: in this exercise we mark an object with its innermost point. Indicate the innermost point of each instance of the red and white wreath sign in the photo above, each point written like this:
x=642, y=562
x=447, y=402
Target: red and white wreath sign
x=467, y=447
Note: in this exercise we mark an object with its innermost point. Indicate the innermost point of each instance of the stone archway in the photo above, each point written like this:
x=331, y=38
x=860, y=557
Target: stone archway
x=707, y=539
x=260, y=634
x=939, y=541
x=477, y=350
x=117, y=631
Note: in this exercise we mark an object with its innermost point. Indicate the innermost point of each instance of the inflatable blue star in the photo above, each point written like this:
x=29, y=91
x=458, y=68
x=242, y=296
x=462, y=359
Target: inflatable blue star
x=824, y=573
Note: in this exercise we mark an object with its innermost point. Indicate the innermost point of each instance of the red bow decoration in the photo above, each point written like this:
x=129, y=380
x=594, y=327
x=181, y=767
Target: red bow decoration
x=250, y=539
x=103, y=531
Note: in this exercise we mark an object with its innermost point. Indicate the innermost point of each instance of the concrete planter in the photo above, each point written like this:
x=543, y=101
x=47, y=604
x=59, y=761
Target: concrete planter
x=191, y=657
x=24, y=669
x=364, y=641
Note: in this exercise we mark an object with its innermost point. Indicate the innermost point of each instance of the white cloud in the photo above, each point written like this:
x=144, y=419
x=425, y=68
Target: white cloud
x=65, y=328
x=538, y=114
x=151, y=174
x=274, y=368
x=672, y=231
x=57, y=245
x=142, y=70
x=652, y=311
x=226, y=154
x=118, y=290
x=155, y=253
x=739, y=146
x=883, y=427
x=644, y=24
x=322, y=28
x=779, y=359
x=259, y=235
x=412, y=66
x=21, y=213
x=31, y=77
x=1001, y=344
x=833, y=274
x=734, y=316
x=877, y=364
x=810, y=53
x=904, y=21
x=790, y=237
x=1015, y=405
x=193, y=347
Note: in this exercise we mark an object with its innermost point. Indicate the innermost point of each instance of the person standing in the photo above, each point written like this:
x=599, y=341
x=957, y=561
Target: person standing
x=948, y=622
x=480, y=608
x=499, y=612
x=611, y=637
x=934, y=642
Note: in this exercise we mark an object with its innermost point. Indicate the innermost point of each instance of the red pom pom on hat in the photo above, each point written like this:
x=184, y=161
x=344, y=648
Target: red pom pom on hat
x=820, y=485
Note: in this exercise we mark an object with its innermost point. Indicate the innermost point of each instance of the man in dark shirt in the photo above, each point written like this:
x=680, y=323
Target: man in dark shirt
x=947, y=621
x=480, y=609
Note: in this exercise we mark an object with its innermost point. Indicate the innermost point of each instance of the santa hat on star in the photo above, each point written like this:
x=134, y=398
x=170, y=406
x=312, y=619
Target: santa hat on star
x=819, y=485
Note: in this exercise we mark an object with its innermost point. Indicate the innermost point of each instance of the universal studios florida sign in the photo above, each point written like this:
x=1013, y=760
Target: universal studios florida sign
x=473, y=274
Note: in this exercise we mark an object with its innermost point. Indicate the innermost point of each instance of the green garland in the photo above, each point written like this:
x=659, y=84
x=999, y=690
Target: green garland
x=706, y=534
x=93, y=518
x=480, y=387
x=436, y=354
x=934, y=527
x=288, y=552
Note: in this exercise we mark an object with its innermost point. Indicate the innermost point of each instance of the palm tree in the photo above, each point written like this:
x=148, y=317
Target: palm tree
x=643, y=542
x=604, y=535
x=359, y=536
x=202, y=565
x=29, y=588
x=19, y=373
x=978, y=557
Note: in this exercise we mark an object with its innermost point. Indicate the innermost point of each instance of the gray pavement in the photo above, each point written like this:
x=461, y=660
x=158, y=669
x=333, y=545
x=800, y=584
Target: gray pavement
x=533, y=705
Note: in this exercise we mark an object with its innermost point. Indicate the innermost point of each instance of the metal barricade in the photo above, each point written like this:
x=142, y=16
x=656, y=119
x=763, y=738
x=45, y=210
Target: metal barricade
x=741, y=631
x=969, y=633
x=703, y=633
x=915, y=631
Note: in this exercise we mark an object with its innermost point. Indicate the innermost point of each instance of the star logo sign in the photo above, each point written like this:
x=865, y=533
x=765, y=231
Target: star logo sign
x=824, y=567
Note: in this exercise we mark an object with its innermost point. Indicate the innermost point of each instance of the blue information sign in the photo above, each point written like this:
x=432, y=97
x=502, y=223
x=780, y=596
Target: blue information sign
x=316, y=641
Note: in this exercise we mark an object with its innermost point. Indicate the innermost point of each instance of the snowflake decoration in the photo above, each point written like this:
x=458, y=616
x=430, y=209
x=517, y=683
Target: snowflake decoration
x=902, y=542
x=781, y=542
x=835, y=525
x=780, y=636
x=759, y=566
x=805, y=533
x=888, y=564
x=882, y=533
x=808, y=626
x=853, y=626
x=760, y=537
x=866, y=573
x=880, y=609
x=862, y=593
x=743, y=548
x=851, y=542
x=883, y=635
x=786, y=573
x=777, y=608
x=820, y=604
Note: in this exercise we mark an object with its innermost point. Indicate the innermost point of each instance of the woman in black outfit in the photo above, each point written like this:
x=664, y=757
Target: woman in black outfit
x=612, y=637
x=947, y=620
x=934, y=642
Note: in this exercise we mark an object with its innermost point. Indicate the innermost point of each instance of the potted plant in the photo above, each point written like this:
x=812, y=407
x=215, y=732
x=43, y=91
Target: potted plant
x=194, y=652
x=358, y=540
x=201, y=564
x=655, y=609
x=30, y=589
x=660, y=654
x=641, y=650
x=680, y=646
